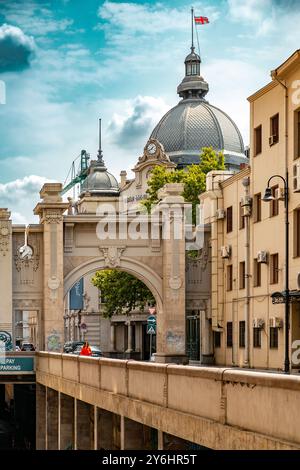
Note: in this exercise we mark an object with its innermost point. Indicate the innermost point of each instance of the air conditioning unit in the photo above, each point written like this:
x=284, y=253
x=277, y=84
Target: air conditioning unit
x=279, y=194
x=262, y=257
x=273, y=139
x=220, y=214
x=226, y=251
x=246, y=201
x=246, y=205
x=296, y=177
x=258, y=322
x=275, y=322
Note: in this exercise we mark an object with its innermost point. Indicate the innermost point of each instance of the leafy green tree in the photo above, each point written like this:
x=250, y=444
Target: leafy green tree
x=193, y=177
x=122, y=292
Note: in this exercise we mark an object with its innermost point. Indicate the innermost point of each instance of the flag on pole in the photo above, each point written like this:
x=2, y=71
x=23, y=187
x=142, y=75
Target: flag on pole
x=201, y=20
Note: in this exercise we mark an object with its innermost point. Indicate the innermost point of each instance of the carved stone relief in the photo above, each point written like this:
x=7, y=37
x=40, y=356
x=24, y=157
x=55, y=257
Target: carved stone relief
x=112, y=255
x=53, y=216
x=28, y=266
x=4, y=237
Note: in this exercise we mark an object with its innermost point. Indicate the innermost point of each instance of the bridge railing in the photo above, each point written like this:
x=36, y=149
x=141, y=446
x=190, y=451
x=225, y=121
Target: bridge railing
x=260, y=402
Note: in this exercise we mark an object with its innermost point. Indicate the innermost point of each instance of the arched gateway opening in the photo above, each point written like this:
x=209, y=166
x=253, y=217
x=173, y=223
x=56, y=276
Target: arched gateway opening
x=72, y=248
x=121, y=335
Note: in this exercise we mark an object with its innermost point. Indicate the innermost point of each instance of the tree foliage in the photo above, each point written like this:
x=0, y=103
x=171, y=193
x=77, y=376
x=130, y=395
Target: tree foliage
x=193, y=177
x=122, y=292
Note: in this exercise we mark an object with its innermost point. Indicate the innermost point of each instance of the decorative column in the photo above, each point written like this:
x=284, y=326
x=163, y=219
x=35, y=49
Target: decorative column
x=129, y=326
x=50, y=211
x=5, y=271
x=171, y=336
x=112, y=336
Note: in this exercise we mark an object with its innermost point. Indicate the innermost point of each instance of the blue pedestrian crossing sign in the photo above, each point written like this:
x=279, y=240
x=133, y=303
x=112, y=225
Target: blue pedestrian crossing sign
x=151, y=325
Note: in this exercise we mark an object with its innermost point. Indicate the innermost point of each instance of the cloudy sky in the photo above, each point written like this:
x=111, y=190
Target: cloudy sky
x=65, y=63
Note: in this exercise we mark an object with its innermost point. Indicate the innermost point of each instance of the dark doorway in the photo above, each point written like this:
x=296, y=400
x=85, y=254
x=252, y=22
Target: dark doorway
x=17, y=416
x=193, y=335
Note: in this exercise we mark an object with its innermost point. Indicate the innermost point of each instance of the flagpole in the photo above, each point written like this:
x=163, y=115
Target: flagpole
x=192, y=18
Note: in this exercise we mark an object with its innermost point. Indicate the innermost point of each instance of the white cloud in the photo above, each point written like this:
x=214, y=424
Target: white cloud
x=16, y=48
x=138, y=119
x=19, y=190
x=20, y=196
x=240, y=79
x=33, y=17
x=252, y=11
x=150, y=19
x=18, y=218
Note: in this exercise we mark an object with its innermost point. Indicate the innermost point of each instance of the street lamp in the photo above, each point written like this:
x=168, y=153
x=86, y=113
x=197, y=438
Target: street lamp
x=267, y=198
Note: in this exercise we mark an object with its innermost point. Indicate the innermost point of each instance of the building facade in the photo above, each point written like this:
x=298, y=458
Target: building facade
x=248, y=234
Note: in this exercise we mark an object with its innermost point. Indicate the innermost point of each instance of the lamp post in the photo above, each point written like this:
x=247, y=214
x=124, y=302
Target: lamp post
x=267, y=198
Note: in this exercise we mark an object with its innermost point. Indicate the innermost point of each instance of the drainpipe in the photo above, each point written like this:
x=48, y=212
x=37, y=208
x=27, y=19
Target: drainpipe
x=246, y=205
x=287, y=308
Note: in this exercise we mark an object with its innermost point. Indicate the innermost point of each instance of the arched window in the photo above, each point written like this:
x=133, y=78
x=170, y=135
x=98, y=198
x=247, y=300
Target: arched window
x=195, y=68
x=188, y=69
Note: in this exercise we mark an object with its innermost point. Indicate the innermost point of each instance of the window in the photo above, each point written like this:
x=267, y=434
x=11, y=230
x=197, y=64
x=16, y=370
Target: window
x=242, y=219
x=274, y=129
x=257, y=140
x=274, y=205
x=188, y=69
x=229, y=219
x=257, y=273
x=297, y=134
x=242, y=275
x=297, y=233
x=257, y=207
x=274, y=338
x=274, y=269
x=256, y=337
x=229, y=334
x=217, y=339
x=242, y=330
x=229, y=277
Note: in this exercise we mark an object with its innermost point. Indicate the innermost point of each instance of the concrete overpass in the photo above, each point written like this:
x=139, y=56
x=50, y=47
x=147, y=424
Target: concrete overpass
x=91, y=403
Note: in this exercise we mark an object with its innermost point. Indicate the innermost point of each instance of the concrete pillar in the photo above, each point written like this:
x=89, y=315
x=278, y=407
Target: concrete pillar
x=160, y=440
x=52, y=419
x=85, y=426
x=6, y=257
x=66, y=422
x=50, y=211
x=112, y=336
x=95, y=428
x=129, y=346
x=108, y=430
x=41, y=406
x=171, y=322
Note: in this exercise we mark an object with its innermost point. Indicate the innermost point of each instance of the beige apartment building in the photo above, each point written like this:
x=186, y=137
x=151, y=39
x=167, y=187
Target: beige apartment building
x=248, y=234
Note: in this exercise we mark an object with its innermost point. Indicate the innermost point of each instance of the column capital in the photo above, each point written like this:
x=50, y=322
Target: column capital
x=4, y=214
x=51, y=208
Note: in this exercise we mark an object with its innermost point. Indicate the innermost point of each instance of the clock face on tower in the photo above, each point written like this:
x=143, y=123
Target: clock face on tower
x=151, y=148
x=25, y=252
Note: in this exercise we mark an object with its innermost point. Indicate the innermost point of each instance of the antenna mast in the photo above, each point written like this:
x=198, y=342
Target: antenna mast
x=100, y=142
x=192, y=19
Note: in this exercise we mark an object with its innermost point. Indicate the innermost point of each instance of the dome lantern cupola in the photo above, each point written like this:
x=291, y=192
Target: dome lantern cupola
x=192, y=63
x=193, y=85
x=99, y=181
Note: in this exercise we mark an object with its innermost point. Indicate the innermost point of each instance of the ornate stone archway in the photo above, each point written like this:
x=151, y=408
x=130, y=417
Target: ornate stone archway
x=72, y=248
x=141, y=271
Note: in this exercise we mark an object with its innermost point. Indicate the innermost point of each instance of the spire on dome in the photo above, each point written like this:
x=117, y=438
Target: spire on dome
x=193, y=85
x=100, y=161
